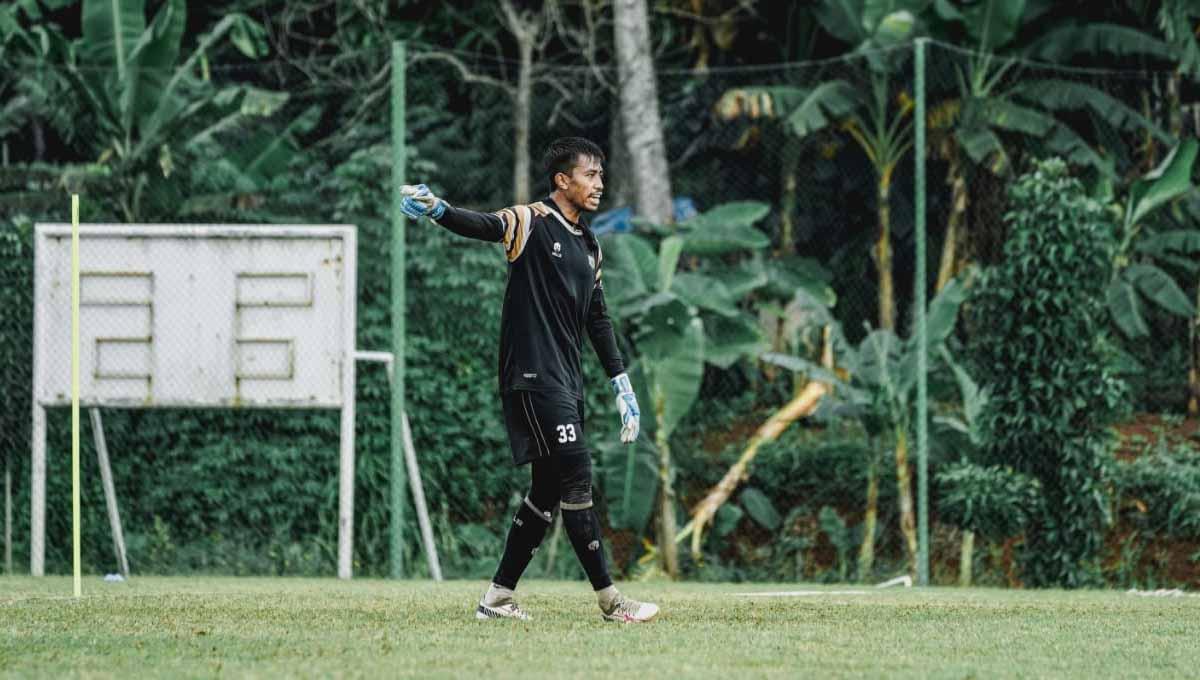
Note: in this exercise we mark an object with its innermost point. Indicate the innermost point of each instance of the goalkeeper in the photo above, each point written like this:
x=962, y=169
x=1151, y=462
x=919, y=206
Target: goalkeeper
x=554, y=295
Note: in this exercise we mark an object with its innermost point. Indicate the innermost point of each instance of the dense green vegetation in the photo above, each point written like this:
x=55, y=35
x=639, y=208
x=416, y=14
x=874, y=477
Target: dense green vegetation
x=788, y=126
x=1051, y=399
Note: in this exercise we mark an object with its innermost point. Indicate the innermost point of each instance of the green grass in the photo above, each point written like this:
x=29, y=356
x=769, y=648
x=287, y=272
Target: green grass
x=204, y=627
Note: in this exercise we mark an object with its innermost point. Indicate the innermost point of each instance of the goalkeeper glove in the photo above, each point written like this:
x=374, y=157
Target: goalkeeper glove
x=627, y=406
x=420, y=202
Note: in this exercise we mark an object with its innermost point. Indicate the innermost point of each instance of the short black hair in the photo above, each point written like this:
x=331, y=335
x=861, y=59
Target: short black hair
x=562, y=154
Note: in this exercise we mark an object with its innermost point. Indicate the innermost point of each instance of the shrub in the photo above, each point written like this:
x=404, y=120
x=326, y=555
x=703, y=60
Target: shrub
x=995, y=502
x=1038, y=341
x=1165, y=488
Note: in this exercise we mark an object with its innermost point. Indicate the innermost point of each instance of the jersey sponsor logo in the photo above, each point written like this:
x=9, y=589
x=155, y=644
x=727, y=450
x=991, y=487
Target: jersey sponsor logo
x=531, y=376
x=557, y=249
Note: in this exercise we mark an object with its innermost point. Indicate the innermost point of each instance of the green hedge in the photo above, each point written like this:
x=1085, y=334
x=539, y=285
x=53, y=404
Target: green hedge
x=1039, y=343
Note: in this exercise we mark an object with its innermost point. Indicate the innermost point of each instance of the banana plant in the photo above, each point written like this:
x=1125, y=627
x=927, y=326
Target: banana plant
x=866, y=114
x=1147, y=250
x=1177, y=20
x=882, y=129
x=992, y=501
x=147, y=105
x=876, y=383
x=789, y=116
x=678, y=313
x=998, y=99
x=32, y=92
x=1137, y=278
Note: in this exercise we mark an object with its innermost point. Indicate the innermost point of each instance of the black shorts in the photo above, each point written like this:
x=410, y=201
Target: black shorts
x=542, y=424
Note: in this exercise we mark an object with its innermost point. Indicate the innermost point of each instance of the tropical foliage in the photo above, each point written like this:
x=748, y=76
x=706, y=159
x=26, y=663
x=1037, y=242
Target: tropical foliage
x=802, y=229
x=877, y=386
x=678, y=320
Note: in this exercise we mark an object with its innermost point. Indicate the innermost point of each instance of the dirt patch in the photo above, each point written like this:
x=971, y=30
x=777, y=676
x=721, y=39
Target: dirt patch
x=1146, y=430
x=738, y=433
x=1151, y=561
x=1131, y=556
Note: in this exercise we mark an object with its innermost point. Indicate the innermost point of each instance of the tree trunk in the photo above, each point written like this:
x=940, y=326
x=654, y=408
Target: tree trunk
x=866, y=552
x=39, y=140
x=639, y=111
x=1008, y=561
x=667, y=550
x=1149, y=147
x=908, y=524
x=985, y=241
x=966, y=557
x=787, y=201
x=883, y=254
x=521, y=117
x=1174, y=107
x=952, y=251
x=7, y=516
x=618, y=189
x=1194, y=373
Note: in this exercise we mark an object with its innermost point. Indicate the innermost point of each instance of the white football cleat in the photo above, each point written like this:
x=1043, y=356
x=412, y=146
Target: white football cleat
x=627, y=610
x=501, y=610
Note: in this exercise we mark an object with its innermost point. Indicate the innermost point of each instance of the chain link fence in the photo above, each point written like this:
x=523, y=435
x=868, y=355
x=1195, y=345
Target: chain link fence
x=817, y=158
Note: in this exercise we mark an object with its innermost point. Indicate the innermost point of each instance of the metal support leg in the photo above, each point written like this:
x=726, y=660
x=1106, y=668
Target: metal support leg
x=110, y=492
x=37, y=495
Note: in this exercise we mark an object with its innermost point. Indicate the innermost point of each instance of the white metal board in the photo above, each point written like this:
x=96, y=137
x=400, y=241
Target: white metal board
x=197, y=315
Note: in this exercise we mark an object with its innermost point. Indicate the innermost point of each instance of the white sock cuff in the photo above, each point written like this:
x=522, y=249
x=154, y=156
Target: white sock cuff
x=496, y=594
x=606, y=596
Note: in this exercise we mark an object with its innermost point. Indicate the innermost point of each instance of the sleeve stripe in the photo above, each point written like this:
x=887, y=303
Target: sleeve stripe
x=524, y=226
x=518, y=224
x=509, y=221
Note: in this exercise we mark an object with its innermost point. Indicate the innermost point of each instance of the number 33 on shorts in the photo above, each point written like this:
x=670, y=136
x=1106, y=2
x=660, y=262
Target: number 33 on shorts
x=566, y=433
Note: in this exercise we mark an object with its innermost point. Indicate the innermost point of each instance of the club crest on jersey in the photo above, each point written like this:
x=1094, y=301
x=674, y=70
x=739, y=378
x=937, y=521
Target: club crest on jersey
x=557, y=249
x=591, y=262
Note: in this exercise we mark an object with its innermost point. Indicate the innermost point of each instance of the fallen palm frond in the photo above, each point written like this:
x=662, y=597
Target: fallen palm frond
x=804, y=404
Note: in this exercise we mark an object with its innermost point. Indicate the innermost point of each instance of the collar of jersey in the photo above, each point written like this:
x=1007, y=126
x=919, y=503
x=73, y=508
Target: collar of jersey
x=554, y=209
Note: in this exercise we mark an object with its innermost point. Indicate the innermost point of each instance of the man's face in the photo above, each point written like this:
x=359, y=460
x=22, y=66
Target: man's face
x=585, y=184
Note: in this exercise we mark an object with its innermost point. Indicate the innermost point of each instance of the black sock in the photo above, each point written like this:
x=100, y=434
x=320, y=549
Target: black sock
x=524, y=536
x=583, y=528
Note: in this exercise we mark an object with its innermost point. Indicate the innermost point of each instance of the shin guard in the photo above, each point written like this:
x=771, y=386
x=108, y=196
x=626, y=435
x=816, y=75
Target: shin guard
x=583, y=528
x=524, y=536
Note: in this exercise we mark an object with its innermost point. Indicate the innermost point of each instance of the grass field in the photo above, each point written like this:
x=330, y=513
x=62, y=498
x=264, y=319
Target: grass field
x=205, y=627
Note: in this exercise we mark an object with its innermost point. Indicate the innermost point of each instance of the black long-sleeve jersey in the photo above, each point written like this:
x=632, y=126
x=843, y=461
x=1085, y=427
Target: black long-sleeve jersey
x=554, y=293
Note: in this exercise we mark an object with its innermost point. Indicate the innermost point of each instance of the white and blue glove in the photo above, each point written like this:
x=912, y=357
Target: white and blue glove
x=420, y=202
x=627, y=405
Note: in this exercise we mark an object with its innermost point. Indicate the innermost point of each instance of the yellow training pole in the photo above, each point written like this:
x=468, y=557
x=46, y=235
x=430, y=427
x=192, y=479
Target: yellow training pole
x=75, y=389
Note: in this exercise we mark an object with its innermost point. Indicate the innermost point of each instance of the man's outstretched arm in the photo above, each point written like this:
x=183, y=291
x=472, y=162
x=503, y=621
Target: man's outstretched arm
x=510, y=226
x=420, y=202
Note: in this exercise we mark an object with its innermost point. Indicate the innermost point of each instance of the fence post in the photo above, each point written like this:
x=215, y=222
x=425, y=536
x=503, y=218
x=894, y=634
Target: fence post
x=399, y=477
x=75, y=500
x=922, y=339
